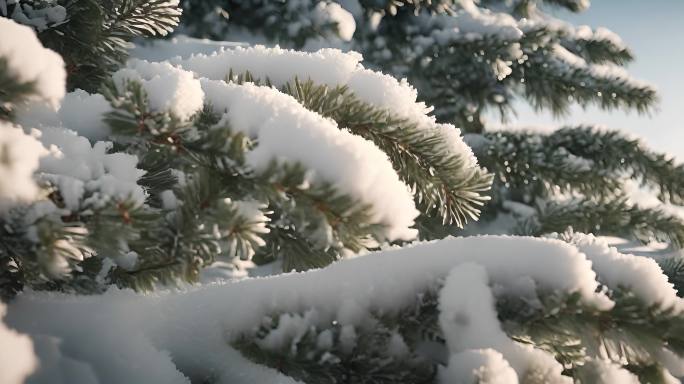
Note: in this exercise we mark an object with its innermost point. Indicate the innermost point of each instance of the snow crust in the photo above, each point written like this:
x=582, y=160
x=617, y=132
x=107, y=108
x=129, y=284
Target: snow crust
x=189, y=331
x=30, y=62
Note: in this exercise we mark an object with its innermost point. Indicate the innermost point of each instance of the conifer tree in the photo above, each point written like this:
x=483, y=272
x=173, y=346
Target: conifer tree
x=182, y=149
x=470, y=57
x=160, y=168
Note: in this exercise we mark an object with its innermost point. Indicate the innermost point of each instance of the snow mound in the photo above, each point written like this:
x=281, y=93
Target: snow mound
x=179, y=45
x=78, y=111
x=607, y=372
x=641, y=275
x=190, y=331
x=470, y=324
x=30, y=62
x=484, y=366
x=168, y=88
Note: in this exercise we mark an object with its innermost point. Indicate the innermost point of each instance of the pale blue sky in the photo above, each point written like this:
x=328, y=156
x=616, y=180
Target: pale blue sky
x=654, y=29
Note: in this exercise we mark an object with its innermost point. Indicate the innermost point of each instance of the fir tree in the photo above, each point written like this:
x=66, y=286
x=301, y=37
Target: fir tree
x=470, y=57
x=281, y=156
x=229, y=210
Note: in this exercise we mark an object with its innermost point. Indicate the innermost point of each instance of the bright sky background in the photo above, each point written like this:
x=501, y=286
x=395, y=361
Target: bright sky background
x=654, y=30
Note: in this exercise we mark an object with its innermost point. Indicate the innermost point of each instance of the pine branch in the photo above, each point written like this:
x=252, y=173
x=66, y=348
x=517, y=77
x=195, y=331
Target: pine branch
x=130, y=18
x=324, y=216
x=324, y=353
x=325, y=221
x=606, y=217
x=554, y=85
x=12, y=91
x=596, y=50
x=204, y=226
x=673, y=268
x=40, y=255
x=614, y=151
x=296, y=252
x=442, y=182
x=95, y=36
x=631, y=334
x=538, y=165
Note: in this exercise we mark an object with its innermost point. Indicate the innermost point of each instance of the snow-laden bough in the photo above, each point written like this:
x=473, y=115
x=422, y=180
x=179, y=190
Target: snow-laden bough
x=187, y=334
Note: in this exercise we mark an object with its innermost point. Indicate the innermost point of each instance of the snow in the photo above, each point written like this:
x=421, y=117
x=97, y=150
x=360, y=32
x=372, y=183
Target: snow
x=79, y=111
x=470, y=324
x=30, y=62
x=611, y=72
x=83, y=113
x=189, y=331
x=641, y=275
x=168, y=88
x=476, y=23
x=290, y=327
x=485, y=366
x=325, y=12
x=49, y=14
x=327, y=66
x=86, y=174
x=180, y=46
x=17, y=359
x=19, y=158
x=282, y=128
x=606, y=34
x=607, y=372
x=330, y=67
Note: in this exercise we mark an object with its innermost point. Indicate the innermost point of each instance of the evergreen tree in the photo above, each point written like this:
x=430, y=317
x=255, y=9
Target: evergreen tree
x=470, y=57
x=306, y=158
x=138, y=234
